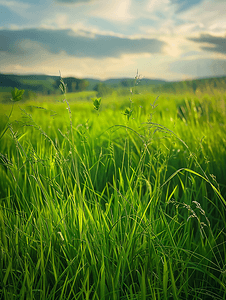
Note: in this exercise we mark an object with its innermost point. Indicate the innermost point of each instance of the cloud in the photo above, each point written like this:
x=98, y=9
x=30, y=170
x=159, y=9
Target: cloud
x=185, y=4
x=14, y=4
x=158, y=5
x=73, y=1
x=76, y=43
x=210, y=16
x=44, y=62
x=215, y=44
x=48, y=51
x=199, y=67
x=19, y=8
x=112, y=10
x=164, y=19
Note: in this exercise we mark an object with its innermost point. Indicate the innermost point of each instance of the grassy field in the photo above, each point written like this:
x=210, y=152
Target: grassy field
x=123, y=202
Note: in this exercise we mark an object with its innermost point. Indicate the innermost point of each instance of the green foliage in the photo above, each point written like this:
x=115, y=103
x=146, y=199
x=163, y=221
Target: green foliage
x=91, y=208
x=42, y=84
x=128, y=82
x=128, y=113
x=82, y=85
x=17, y=94
x=207, y=85
x=103, y=89
x=63, y=86
x=96, y=103
x=74, y=84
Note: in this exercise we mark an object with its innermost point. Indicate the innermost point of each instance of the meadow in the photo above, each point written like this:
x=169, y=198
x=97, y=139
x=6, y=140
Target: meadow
x=121, y=197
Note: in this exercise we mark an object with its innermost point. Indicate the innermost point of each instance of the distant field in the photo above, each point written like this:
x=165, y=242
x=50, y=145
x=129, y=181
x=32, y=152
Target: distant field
x=5, y=95
x=124, y=202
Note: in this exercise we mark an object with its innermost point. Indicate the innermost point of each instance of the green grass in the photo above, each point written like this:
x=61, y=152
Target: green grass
x=106, y=205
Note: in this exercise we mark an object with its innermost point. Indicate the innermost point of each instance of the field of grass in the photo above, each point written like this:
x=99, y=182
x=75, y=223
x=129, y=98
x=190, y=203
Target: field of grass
x=123, y=202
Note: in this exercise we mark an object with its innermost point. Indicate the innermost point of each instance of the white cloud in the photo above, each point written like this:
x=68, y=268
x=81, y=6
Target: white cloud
x=160, y=66
x=26, y=54
x=16, y=6
x=43, y=62
x=177, y=46
x=113, y=10
x=72, y=2
x=210, y=16
x=63, y=21
x=162, y=6
x=218, y=27
x=47, y=63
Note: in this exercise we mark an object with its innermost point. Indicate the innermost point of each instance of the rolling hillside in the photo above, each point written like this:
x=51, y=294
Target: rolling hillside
x=193, y=86
x=45, y=84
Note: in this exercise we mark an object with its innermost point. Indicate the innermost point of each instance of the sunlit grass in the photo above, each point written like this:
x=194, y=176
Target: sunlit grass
x=99, y=205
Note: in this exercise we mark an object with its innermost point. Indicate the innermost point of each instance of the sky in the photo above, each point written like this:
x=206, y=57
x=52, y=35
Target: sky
x=162, y=39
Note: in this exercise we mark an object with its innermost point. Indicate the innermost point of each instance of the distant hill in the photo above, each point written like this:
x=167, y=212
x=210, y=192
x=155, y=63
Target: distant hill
x=123, y=82
x=42, y=84
x=131, y=81
x=45, y=84
x=37, y=83
x=193, y=86
x=92, y=83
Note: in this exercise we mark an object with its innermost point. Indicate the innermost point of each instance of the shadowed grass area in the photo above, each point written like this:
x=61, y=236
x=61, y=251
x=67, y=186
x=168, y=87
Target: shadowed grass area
x=123, y=202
